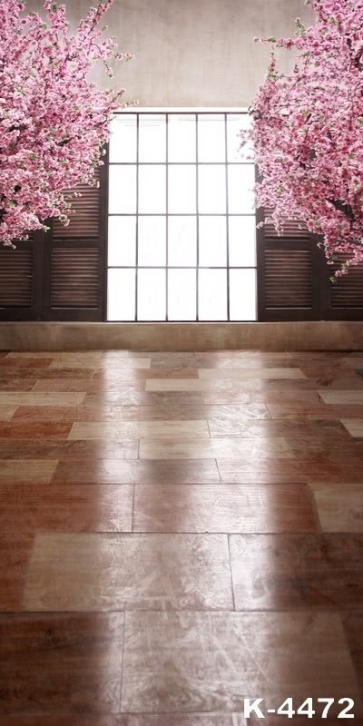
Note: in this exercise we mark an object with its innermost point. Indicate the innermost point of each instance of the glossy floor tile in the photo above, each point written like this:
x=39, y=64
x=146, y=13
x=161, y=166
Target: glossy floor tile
x=123, y=471
x=223, y=508
x=217, y=448
x=116, y=572
x=77, y=508
x=245, y=373
x=7, y=412
x=340, y=506
x=62, y=663
x=354, y=426
x=40, y=399
x=39, y=471
x=295, y=571
x=179, y=532
x=345, y=397
x=197, y=661
x=138, y=430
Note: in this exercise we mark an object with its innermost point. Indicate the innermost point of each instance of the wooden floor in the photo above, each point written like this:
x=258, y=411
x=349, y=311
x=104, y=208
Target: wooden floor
x=180, y=532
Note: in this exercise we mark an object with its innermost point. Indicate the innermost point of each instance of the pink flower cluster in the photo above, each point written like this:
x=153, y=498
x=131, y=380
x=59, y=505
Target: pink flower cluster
x=307, y=130
x=53, y=121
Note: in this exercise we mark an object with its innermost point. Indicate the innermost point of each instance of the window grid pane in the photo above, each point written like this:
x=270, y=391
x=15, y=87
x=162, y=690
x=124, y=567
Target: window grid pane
x=182, y=240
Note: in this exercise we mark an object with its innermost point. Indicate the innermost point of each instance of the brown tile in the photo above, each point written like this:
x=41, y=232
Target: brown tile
x=7, y=412
x=70, y=414
x=182, y=412
x=280, y=397
x=117, y=396
x=353, y=626
x=15, y=383
x=293, y=571
x=212, y=661
x=15, y=551
x=227, y=385
x=160, y=719
x=90, y=572
x=84, y=508
x=243, y=359
x=31, y=398
x=339, y=505
x=134, y=374
x=314, y=412
x=345, y=397
x=37, y=430
x=120, y=471
x=27, y=470
x=68, y=450
x=217, y=448
x=19, y=361
x=224, y=508
x=173, y=359
x=304, y=720
x=323, y=466
x=97, y=360
x=66, y=385
x=353, y=426
x=138, y=429
x=212, y=374
x=60, y=663
x=293, y=431
x=133, y=396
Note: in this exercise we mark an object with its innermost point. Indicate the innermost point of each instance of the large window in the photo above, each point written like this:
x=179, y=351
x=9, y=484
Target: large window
x=181, y=225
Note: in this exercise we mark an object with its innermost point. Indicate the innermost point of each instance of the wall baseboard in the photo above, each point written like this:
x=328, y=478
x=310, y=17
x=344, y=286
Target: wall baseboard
x=320, y=335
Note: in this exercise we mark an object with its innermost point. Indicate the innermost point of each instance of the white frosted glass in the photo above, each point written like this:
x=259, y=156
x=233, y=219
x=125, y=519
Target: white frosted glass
x=123, y=139
x=182, y=189
x=241, y=181
x=121, y=295
x=152, y=241
x=152, y=138
x=211, y=138
x=122, y=190
x=181, y=138
x=151, y=295
x=122, y=241
x=235, y=124
x=211, y=189
x=212, y=242
x=182, y=303
x=212, y=295
x=242, y=241
x=152, y=189
x=242, y=294
x=182, y=241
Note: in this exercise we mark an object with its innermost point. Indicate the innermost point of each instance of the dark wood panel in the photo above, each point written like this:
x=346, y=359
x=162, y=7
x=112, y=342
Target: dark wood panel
x=294, y=277
x=288, y=278
x=75, y=278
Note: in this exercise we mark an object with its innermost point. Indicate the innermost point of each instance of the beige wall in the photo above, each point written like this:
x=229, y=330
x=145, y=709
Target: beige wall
x=192, y=52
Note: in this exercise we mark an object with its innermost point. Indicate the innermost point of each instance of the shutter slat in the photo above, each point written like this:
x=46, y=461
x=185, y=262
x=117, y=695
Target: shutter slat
x=347, y=291
x=288, y=278
x=16, y=277
x=75, y=277
x=84, y=218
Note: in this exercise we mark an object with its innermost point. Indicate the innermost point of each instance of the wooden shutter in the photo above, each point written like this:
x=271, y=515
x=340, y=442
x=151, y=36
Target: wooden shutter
x=20, y=279
x=344, y=298
x=294, y=278
x=287, y=269
x=75, y=258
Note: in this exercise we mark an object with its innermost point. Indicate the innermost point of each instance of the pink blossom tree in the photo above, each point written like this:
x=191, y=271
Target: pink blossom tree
x=307, y=130
x=53, y=120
